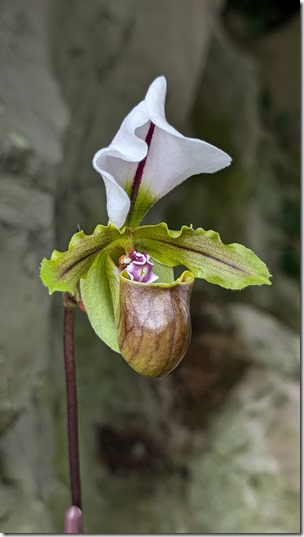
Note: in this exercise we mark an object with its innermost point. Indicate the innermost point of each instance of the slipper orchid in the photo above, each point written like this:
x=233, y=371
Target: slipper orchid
x=122, y=274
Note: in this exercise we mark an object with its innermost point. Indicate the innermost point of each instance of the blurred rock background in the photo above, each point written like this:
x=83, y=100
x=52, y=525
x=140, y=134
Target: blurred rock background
x=214, y=447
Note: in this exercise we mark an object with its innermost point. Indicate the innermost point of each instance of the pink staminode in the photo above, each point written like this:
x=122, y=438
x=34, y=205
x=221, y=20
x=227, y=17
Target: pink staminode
x=139, y=267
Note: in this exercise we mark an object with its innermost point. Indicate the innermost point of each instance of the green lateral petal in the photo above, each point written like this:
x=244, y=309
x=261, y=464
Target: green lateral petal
x=232, y=266
x=63, y=271
x=100, y=294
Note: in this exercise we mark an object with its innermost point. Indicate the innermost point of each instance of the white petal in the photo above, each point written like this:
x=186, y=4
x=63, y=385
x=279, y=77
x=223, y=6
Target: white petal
x=118, y=201
x=172, y=157
x=118, y=163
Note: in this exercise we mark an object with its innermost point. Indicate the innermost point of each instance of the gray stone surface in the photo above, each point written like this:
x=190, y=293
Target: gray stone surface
x=268, y=341
x=33, y=117
x=248, y=479
x=256, y=200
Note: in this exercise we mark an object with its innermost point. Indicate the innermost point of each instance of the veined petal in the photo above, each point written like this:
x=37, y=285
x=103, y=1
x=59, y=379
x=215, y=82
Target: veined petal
x=63, y=271
x=148, y=158
x=232, y=266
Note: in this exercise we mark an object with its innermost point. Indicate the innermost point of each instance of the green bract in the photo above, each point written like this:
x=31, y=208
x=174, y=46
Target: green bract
x=110, y=271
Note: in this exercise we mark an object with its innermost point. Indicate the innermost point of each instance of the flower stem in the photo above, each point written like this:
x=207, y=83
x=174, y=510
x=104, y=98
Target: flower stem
x=72, y=410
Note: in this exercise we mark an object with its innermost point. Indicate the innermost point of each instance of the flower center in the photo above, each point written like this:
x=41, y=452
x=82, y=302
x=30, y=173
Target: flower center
x=138, y=266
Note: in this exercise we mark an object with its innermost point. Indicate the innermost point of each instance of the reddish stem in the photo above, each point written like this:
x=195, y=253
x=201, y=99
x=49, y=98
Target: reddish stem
x=72, y=411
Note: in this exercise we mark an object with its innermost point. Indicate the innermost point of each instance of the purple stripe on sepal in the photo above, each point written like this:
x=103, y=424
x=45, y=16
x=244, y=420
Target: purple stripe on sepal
x=140, y=168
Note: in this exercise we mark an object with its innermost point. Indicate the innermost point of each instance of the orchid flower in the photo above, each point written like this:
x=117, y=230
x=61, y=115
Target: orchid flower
x=122, y=274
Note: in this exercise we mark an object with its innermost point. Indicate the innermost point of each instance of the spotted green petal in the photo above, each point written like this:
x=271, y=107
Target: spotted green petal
x=63, y=271
x=232, y=266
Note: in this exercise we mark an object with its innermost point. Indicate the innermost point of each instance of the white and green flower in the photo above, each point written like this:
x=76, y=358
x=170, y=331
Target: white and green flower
x=124, y=271
x=148, y=158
